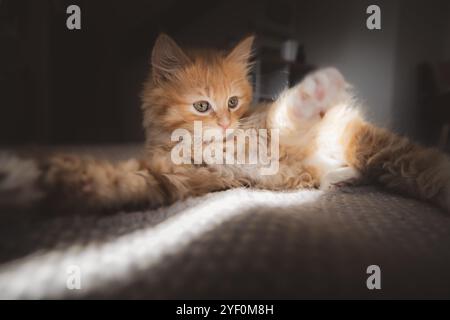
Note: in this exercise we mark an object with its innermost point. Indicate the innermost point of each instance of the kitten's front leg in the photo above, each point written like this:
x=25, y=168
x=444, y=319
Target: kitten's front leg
x=299, y=108
x=87, y=183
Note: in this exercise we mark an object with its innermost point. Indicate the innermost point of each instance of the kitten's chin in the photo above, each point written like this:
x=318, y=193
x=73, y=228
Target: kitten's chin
x=229, y=134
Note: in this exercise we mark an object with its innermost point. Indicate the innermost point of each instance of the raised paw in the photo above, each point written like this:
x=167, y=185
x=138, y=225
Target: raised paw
x=317, y=93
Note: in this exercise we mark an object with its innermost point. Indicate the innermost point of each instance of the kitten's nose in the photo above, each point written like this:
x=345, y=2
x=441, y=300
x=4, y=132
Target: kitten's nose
x=224, y=123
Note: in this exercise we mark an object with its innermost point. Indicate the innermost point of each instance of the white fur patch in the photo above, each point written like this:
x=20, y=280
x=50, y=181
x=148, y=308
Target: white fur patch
x=335, y=177
x=329, y=157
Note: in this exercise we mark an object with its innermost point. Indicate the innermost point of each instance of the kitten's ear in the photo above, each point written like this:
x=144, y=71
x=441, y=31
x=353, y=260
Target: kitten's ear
x=242, y=52
x=167, y=58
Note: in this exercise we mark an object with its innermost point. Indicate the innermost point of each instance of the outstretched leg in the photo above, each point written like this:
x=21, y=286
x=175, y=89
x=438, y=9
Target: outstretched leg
x=397, y=163
x=71, y=181
x=82, y=182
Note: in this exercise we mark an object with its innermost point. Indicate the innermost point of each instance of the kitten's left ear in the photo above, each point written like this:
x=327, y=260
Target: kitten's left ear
x=242, y=52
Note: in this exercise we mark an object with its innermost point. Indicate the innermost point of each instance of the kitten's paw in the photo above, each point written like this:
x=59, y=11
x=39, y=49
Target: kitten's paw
x=317, y=93
x=341, y=177
x=18, y=181
x=77, y=180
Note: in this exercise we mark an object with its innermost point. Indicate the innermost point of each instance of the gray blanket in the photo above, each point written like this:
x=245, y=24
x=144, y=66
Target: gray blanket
x=235, y=244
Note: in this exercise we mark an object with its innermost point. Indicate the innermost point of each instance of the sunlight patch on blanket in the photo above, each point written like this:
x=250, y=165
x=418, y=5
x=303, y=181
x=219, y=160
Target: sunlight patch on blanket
x=91, y=267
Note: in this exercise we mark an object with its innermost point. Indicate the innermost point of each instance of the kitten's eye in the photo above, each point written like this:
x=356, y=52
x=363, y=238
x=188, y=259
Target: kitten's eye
x=233, y=102
x=202, y=106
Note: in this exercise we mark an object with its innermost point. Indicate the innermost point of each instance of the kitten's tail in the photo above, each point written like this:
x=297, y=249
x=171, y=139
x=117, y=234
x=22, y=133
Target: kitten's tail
x=397, y=163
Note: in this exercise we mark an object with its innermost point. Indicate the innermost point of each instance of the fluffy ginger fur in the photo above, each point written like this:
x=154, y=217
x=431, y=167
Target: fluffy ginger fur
x=324, y=141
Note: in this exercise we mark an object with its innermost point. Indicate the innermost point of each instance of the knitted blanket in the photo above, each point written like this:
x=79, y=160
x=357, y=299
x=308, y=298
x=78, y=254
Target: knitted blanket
x=239, y=243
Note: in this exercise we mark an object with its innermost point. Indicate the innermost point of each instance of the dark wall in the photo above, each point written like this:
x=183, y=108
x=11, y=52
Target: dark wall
x=63, y=86
x=59, y=86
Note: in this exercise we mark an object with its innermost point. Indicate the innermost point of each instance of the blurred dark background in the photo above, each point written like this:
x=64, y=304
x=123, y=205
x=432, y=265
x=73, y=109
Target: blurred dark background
x=59, y=86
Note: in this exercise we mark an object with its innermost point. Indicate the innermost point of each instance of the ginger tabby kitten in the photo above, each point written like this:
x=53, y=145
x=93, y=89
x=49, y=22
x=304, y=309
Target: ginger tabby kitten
x=323, y=139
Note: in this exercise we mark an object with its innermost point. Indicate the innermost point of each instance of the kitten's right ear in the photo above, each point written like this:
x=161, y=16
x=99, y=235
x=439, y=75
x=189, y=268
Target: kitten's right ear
x=242, y=52
x=167, y=58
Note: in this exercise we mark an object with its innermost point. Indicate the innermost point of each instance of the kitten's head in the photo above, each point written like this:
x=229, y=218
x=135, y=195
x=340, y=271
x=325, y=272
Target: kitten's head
x=187, y=86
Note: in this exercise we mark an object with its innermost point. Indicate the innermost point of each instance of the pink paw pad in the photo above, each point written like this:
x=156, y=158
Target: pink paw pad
x=317, y=93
